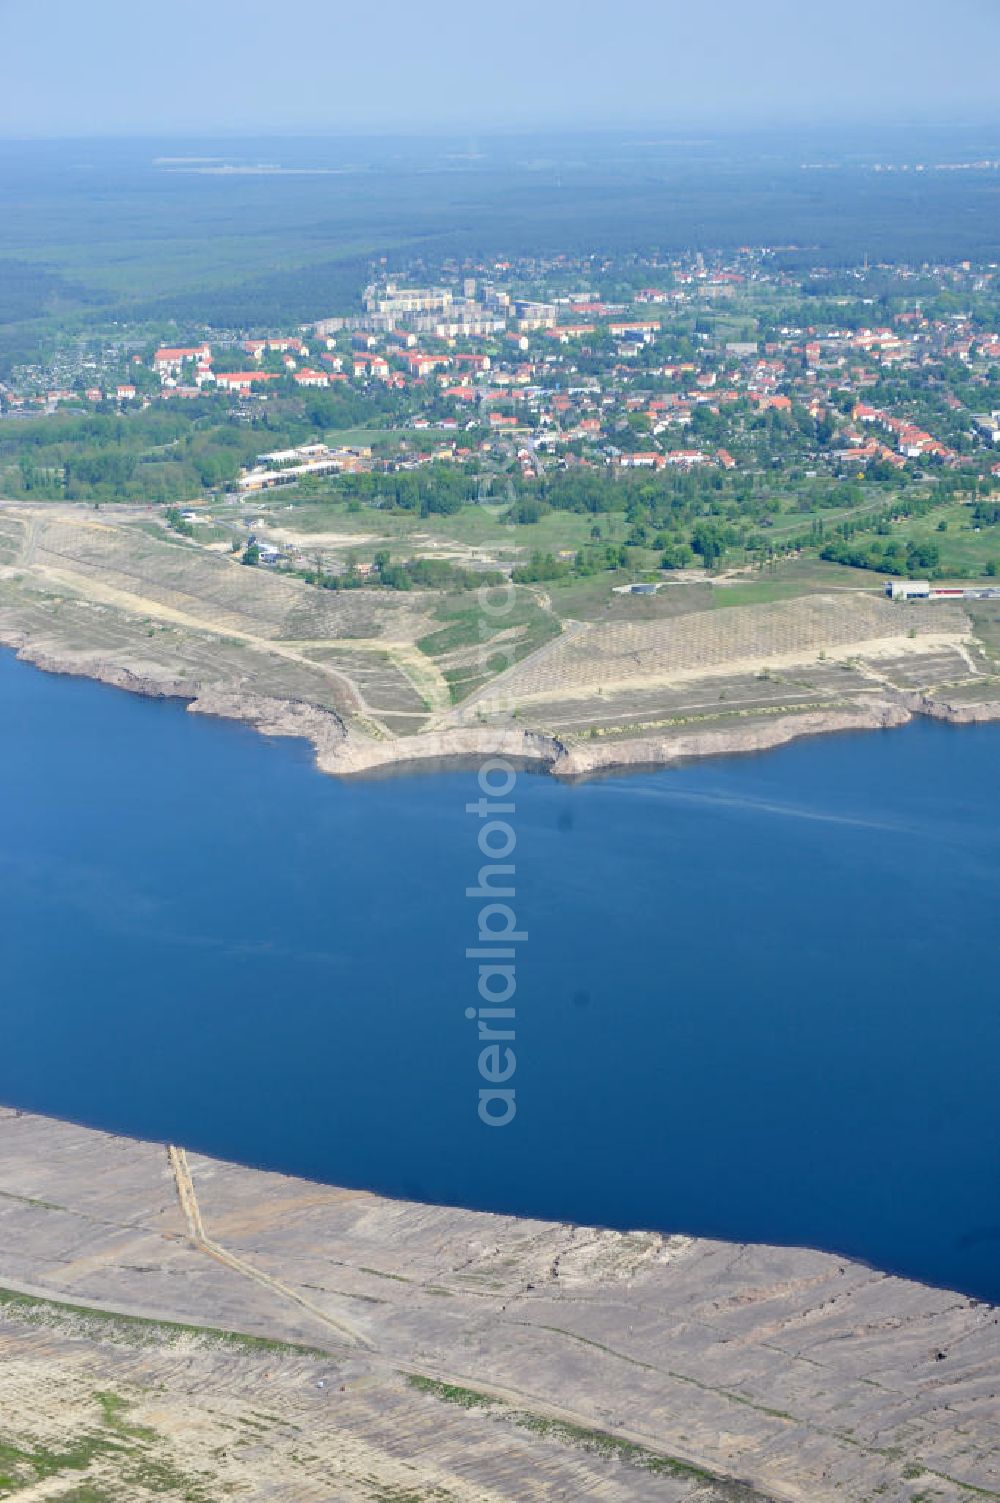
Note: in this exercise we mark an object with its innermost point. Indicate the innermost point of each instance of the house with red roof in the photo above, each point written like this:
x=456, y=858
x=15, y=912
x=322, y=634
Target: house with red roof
x=242, y=381
x=168, y=360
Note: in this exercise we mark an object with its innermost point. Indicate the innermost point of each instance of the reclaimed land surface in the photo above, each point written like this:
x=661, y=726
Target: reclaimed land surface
x=358, y=673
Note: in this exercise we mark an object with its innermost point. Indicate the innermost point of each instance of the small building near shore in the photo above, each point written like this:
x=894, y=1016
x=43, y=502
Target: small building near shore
x=908, y=589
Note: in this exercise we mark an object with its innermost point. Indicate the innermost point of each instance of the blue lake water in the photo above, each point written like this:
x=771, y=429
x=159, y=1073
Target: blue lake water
x=757, y=999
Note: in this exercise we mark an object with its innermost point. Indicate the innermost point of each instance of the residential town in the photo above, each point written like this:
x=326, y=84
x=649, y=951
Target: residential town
x=575, y=368
x=772, y=384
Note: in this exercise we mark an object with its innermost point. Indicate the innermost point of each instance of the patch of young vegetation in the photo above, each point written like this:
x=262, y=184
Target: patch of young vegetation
x=128, y=1449
x=450, y=1393
x=596, y=1442
x=468, y=624
x=135, y=1330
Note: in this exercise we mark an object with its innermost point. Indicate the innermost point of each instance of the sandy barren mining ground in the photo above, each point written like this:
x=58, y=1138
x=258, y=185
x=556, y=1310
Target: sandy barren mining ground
x=175, y=1327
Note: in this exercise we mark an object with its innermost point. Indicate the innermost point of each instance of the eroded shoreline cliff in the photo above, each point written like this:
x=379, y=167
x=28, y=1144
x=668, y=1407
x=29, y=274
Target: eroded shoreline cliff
x=343, y=752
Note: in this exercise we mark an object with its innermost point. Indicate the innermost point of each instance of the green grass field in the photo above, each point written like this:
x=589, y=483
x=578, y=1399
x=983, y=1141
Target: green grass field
x=472, y=527
x=965, y=552
x=360, y=438
x=790, y=577
x=757, y=592
x=793, y=523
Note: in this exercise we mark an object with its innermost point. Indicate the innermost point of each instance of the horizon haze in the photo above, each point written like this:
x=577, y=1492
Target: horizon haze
x=110, y=69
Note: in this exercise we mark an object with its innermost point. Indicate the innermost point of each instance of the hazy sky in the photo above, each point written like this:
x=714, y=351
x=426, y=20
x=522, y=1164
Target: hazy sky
x=82, y=67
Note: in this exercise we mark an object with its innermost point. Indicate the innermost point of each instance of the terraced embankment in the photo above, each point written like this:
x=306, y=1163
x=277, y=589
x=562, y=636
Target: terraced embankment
x=360, y=675
x=393, y=1351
